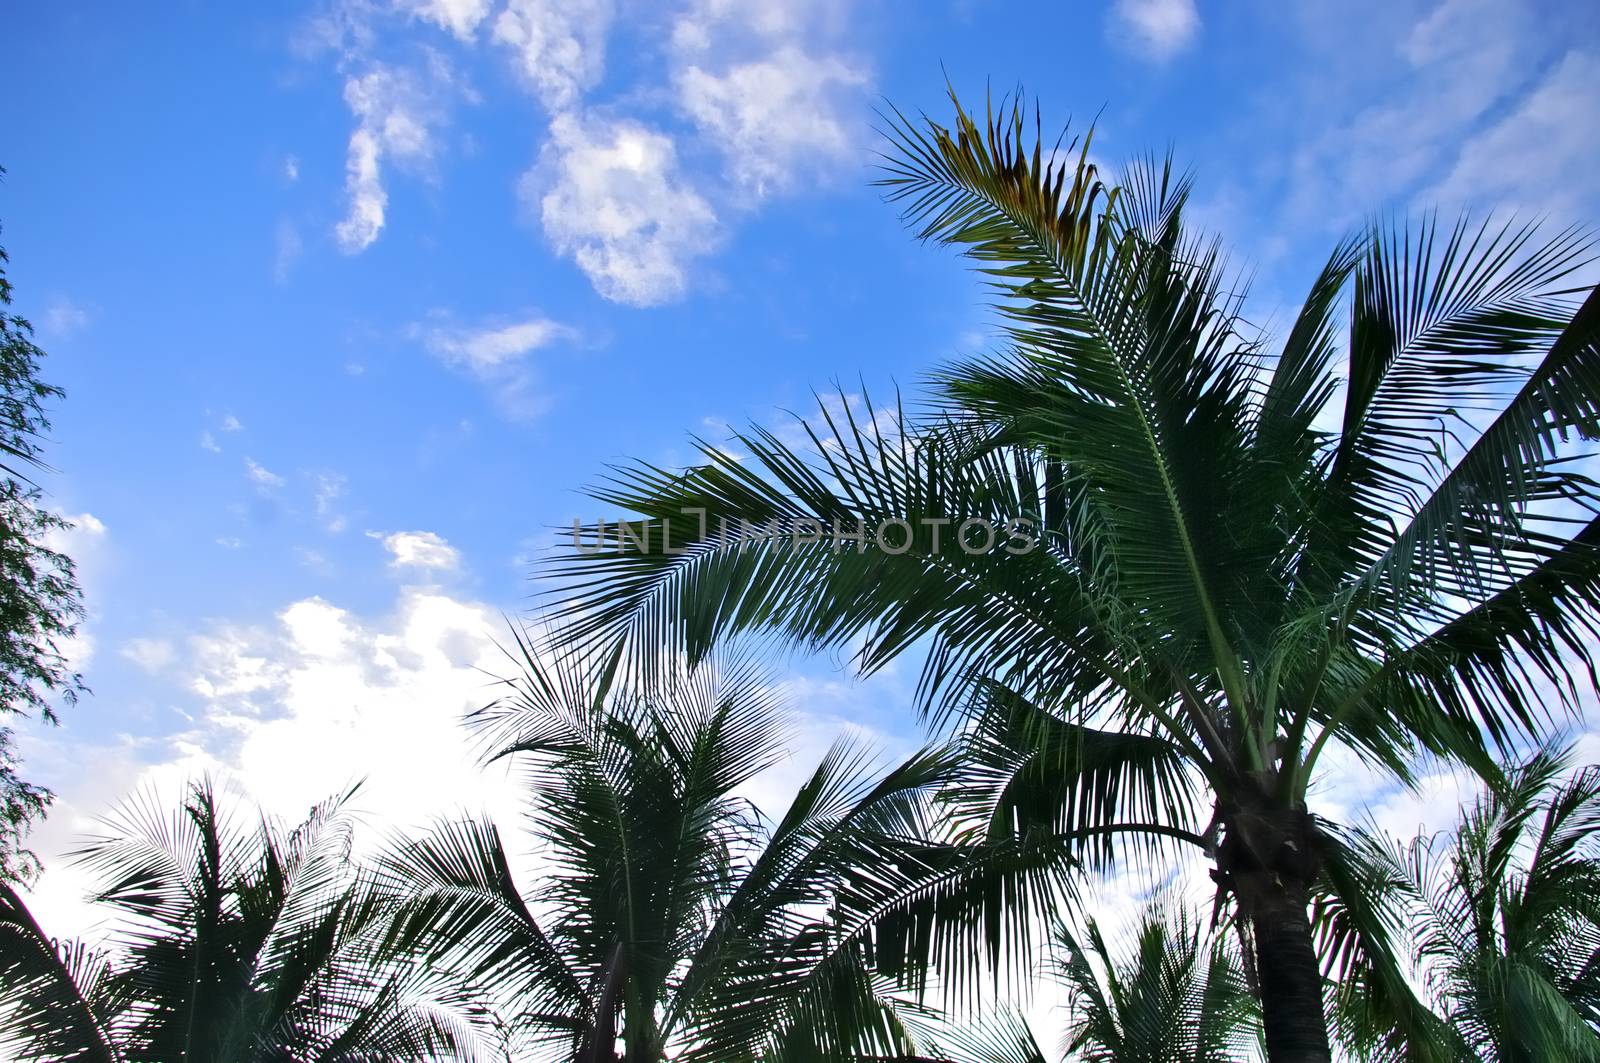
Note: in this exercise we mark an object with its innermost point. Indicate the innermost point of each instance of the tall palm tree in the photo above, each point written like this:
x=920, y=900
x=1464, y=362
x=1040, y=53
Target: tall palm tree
x=1231, y=560
x=1503, y=921
x=231, y=944
x=668, y=915
x=1175, y=993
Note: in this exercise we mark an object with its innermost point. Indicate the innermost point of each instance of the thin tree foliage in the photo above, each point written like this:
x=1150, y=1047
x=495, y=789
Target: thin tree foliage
x=39, y=597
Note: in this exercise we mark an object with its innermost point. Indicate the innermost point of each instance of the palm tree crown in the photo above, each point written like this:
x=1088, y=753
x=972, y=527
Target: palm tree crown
x=1503, y=925
x=1172, y=991
x=232, y=944
x=669, y=915
x=1243, y=557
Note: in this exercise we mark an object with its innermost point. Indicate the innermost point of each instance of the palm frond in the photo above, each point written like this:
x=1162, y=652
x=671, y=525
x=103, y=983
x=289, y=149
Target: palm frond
x=49, y=1006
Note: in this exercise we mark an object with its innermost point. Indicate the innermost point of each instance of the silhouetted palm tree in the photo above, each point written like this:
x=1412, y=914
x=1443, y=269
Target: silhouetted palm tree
x=1502, y=923
x=667, y=915
x=1174, y=992
x=230, y=943
x=1374, y=535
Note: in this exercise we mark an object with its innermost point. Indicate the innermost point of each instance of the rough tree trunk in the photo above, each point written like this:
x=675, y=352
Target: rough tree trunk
x=1268, y=858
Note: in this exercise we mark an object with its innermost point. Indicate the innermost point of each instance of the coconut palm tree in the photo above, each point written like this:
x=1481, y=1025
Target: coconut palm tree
x=230, y=943
x=1193, y=563
x=1502, y=922
x=1175, y=993
x=666, y=914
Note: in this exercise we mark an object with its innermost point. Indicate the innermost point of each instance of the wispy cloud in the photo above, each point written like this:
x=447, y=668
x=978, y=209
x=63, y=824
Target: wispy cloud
x=1456, y=64
x=328, y=488
x=777, y=120
x=63, y=317
x=610, y=194
x=287, y=248
x=419, y=550
x=460, y=17
x=1155, y=30
x=398, y=114
x=1541, y=156
x=262, y=477
x=151, y=654
x=493, y=347
x=497, y=353
x=560, y=45
x=771, y=86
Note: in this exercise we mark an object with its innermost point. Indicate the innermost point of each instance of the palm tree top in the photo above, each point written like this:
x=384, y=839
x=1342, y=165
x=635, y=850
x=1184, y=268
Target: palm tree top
x=1376, y=532
x=669, y=912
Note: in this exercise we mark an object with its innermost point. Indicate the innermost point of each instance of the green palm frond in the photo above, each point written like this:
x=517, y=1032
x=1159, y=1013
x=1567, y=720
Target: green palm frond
x=671, y=914
x=454, y=885
x=1503, y=922
x=1025, y=768
x=1358, y=915
x=234, y=942
x=53, y=1003
x=1226, y=582
x=999, y=1036
x=1176, y=993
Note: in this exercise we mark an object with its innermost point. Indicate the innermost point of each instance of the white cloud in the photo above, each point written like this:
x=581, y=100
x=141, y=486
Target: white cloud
x=419, y=549
x=291, y=168
x=368, y=199
x=63, y=317
x=209, y=442
x=610, y=195
x=460, y=17
x=294, y=709
x=770, y=87
x=1155, y=29
x=560, y=45
x=85, y=542
x=153, y=655
x=328, y=489
x=288, y=246
x=491, y=348
x=261, y=476
x=229, y=542
x=1542, y=156
x=497, y=354
x=715, y=25
x=1461, y=62
x=315, y=560
x=319, y=698
x=776, y=119
x=766, y=85
x=398, y=115
x=230, y=423
x=88, y=781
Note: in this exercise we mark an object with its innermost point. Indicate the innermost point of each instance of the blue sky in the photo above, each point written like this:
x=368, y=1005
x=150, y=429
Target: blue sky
x=352, y=299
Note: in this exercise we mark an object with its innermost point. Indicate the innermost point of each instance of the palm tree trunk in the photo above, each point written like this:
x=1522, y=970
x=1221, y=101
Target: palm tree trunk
x=602, y=1041
x=1269, y=859
x=1291, y=978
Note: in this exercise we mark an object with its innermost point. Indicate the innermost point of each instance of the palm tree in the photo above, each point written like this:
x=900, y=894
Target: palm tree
x=231, y=944
x=1177, y=995
x=668, y=914
x=1225, y=560
x=1503, y=921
